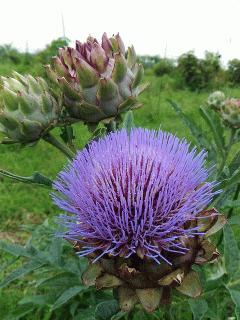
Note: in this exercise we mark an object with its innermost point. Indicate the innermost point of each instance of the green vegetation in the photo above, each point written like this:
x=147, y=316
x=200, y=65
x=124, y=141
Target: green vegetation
x=30, y=205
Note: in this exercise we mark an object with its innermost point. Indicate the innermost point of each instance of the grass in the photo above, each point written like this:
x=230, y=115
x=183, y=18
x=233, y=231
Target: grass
x=23, y=204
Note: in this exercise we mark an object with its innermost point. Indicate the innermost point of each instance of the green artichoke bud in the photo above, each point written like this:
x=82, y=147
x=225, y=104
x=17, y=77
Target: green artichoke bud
x=216, y=100
x=97, y=80
x=142, y=280
x=27, y=108
x=230, y=113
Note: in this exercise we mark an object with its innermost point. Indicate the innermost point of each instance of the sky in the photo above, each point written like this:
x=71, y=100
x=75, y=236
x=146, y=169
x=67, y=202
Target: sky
x=163, y=27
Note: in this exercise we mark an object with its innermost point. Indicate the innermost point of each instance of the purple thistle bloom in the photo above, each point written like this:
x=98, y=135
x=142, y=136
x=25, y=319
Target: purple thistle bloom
x=134, y=194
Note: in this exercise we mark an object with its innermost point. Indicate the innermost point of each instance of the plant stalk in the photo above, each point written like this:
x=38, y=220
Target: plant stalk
x=60, y=146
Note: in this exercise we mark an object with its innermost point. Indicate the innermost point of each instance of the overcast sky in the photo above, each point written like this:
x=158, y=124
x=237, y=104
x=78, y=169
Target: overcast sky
x=153, y=26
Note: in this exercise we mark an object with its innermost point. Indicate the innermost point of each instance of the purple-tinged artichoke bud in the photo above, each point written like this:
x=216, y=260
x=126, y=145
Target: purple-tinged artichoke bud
x=230, y=113
x=216, y=100
x=82, y=71
x=27, y=108
x=137, y=204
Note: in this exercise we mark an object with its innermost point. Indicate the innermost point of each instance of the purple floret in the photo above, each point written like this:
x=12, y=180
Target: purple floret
x=133, y=193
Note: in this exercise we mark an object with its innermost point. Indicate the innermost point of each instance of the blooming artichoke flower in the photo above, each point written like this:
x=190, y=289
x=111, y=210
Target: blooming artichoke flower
x=230, y=112
x=137, y=204
x=97, y=80
x=27, y=108
x=216, y=100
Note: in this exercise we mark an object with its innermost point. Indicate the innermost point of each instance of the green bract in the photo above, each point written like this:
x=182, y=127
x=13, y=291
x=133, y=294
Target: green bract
x=97, y=80
x=27, y=108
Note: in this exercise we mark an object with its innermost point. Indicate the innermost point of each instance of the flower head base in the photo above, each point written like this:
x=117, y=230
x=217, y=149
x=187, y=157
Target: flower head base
x=228, y=109
x=137, y=202
x=27, y=108
x=97, y=80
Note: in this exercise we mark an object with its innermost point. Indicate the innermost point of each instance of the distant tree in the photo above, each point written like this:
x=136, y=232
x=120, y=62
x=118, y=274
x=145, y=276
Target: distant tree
x=44, y=56
x=234, y=71
x=164, y=66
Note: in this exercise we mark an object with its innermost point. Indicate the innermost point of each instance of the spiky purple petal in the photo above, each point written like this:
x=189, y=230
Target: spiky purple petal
x=130, y=193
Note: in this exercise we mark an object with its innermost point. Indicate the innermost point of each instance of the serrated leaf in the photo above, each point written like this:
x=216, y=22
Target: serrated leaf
x=20, y=272
x=198, y=307
x=14, y=249
x=234, y=164
x=215, y=128
x=195, y=130
x=231, y=251
x=67, y=295
x=105, y=310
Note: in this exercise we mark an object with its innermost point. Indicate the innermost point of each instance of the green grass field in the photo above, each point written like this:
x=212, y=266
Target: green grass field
x=23, y=204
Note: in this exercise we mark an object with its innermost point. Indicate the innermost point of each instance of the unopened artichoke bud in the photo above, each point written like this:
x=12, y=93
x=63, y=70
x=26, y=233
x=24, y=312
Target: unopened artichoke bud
x=27, y=108
x=98, y=81
x=230, y=113
x=140, y=216
x=216, y=100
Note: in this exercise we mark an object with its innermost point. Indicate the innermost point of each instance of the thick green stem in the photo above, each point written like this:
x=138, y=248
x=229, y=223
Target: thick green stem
x=60, y=146
x=36, y=178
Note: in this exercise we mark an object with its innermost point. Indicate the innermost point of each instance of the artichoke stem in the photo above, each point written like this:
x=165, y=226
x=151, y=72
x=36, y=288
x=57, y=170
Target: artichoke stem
x=60, y=146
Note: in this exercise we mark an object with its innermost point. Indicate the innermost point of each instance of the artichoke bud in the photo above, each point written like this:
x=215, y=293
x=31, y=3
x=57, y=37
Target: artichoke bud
x=140, y=280
x=216, y=100
x=84, y=84
x=61, y=70
x=98, y=57
x=131, y=57
x=230, y=113
x=87, y=76
x=107, y=90
x=28, y=110
x=120, y=68
x=138, y=76
x=9, y=98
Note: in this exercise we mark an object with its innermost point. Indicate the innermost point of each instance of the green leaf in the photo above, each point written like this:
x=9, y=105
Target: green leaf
x=128, y=122
x=198, y=307
x=215, y=128
x=119, y=315
x=195, y=130
x=229, y=183
x=232, y=204
x=231, y=251
x=85, y=314
x=234, y=164
x=20, y=272
x=55, y=251
x=59, y=281
x=106, y=310
x=20, y=312
x=39, y=300
x=14, y=249
x=67, y=295
x=235, y=295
